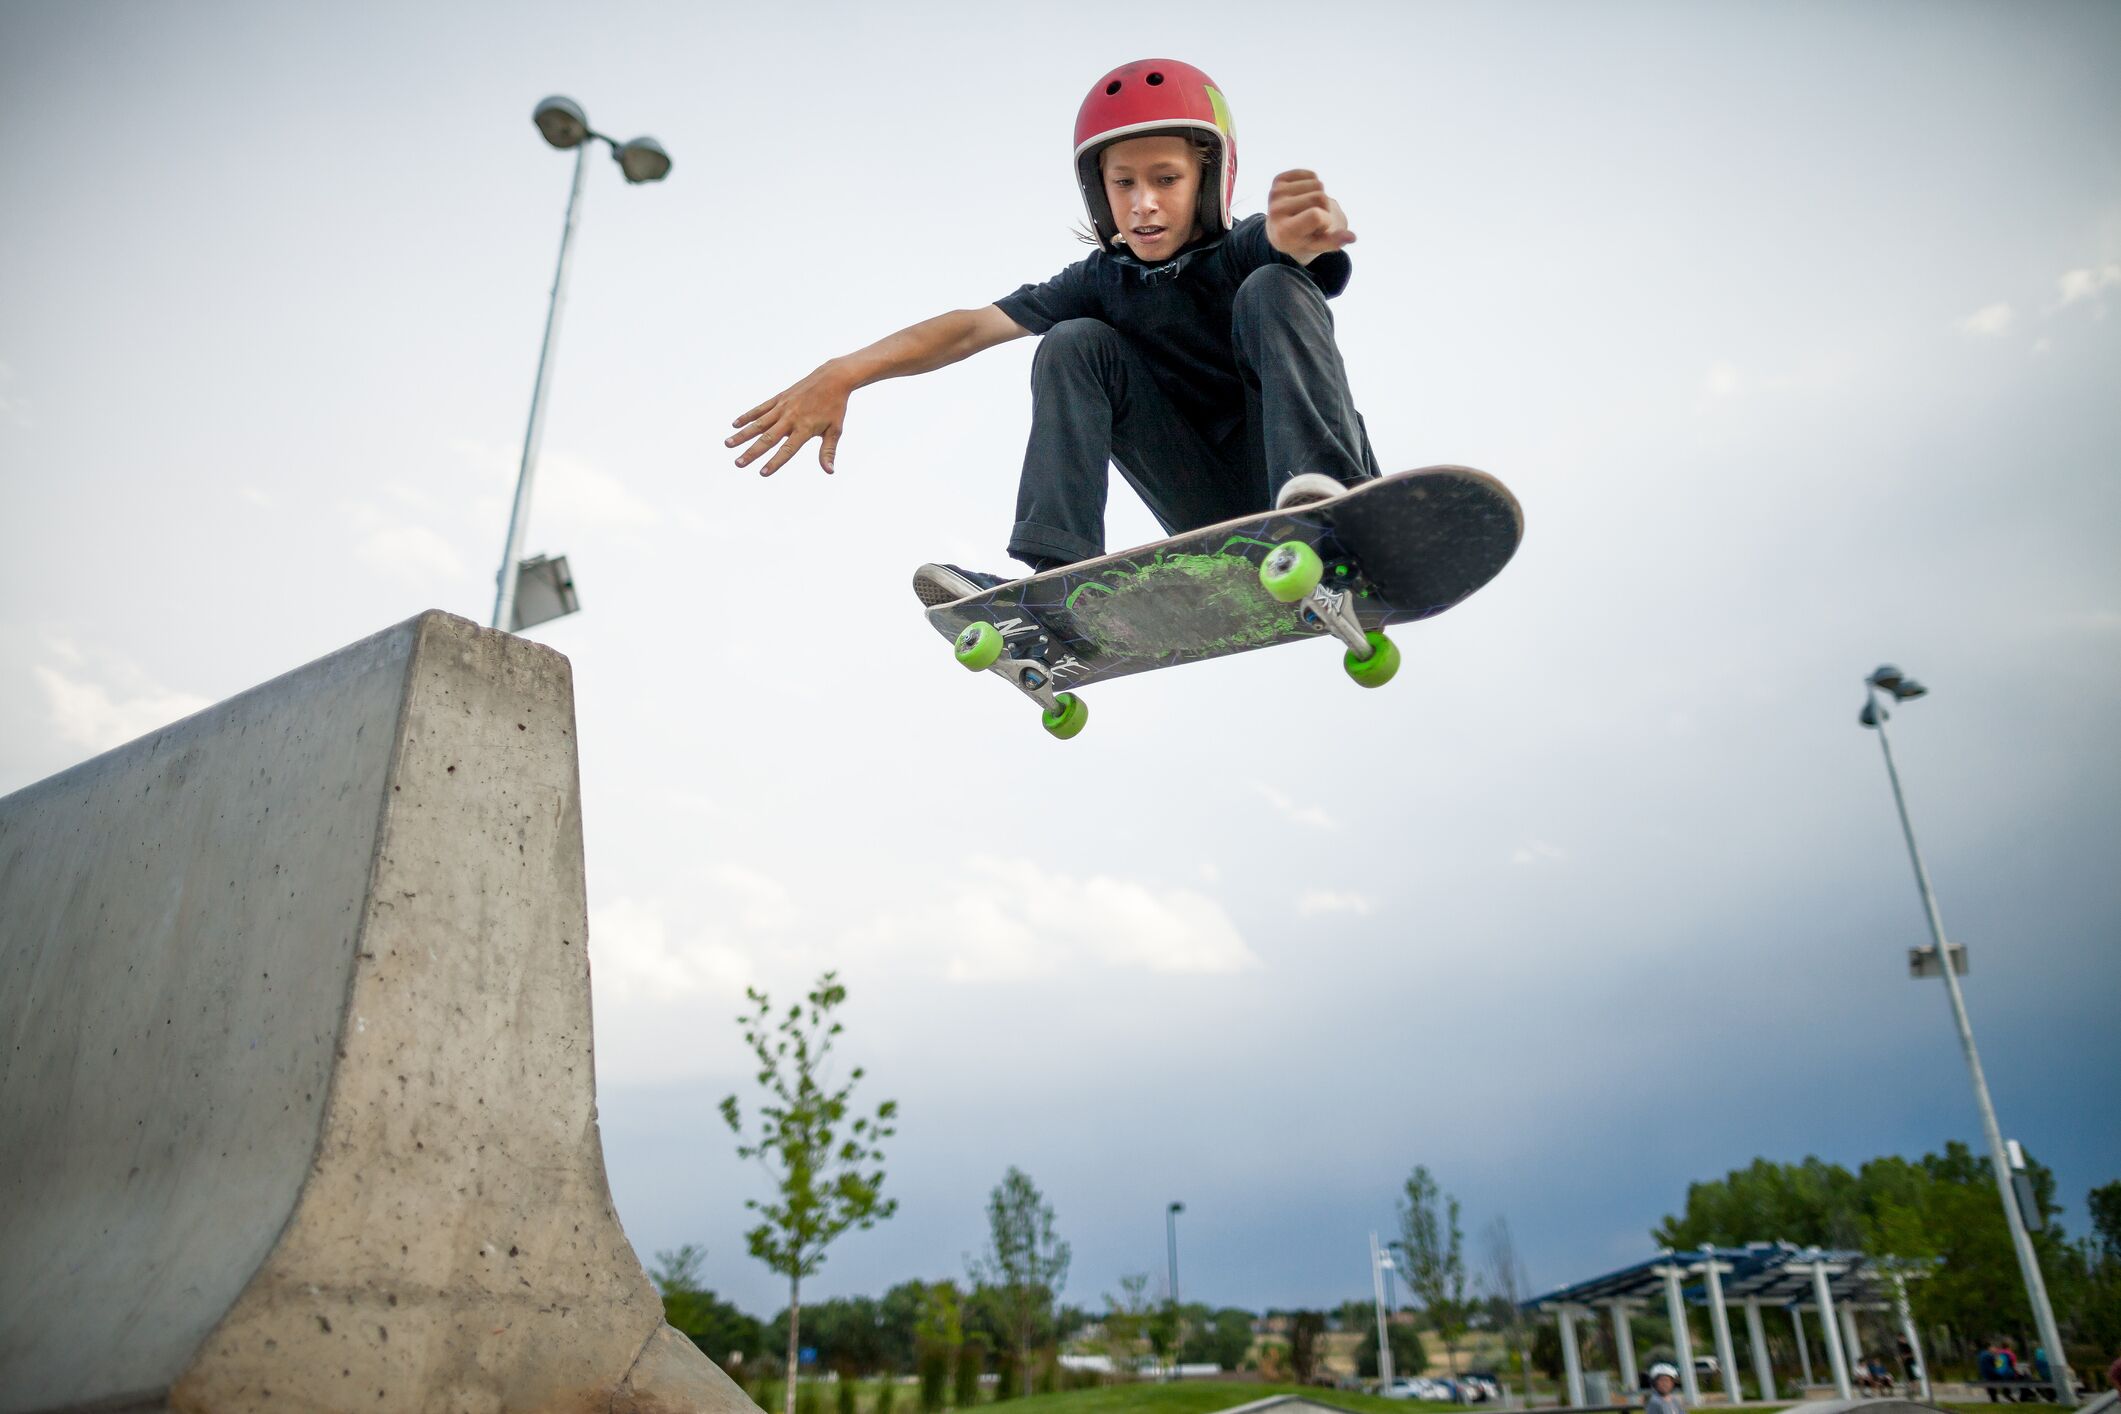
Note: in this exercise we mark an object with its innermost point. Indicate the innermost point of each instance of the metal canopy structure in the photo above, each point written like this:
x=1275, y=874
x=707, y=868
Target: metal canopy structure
x=1831, y=1284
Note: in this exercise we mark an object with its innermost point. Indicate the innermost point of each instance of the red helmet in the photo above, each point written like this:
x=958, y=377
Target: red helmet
x=1147, y=97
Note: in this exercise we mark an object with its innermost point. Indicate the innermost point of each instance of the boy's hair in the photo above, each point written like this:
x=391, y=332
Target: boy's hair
x=1205, y=153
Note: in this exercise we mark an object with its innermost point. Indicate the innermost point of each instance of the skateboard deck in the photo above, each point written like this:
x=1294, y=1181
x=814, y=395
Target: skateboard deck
x=1391, y=550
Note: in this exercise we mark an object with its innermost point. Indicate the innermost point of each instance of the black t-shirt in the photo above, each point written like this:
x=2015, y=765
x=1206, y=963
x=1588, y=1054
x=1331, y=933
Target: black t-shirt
x=1176, y=313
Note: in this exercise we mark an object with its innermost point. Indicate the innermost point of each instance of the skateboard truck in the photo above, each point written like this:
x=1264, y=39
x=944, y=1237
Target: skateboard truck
x=1294, y=574
x=980, y=646
x=1334, y=611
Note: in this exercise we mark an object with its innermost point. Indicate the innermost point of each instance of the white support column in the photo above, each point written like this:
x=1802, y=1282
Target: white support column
x=1624, y=1344
x=1804, y=1348
x=1571, y=1362
x=1682, y=1338
x=1720, y=1323
x=1756, y=1336
x=1834, y=1351
x=1914, y=1342
x=1851, y=1338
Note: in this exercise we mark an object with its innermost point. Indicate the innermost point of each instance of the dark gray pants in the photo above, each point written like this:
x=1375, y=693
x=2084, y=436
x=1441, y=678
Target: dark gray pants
x=1094, y=401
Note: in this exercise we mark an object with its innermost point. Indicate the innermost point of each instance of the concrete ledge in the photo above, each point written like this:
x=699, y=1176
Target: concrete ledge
x=297, y=1106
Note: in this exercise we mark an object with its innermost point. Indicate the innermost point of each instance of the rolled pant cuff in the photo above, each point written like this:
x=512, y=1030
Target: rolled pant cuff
x=1029, y=541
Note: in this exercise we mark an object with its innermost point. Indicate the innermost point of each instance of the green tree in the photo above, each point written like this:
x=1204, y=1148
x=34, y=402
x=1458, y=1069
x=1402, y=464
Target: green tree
x=1508, y=1287
x=1127, y=1322
x=721, y=1331
x=1025, y=1264
x=937, y=1337
x=1221, y=1337
x=1408, y=1356
x=1307, y=1331
x=971, y=1364
x=1433, y=1249
x=826, y=1172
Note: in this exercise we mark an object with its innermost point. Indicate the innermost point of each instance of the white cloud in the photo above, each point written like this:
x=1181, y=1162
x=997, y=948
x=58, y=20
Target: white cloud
x=638, y=960
x=1721, y=381
x=2077, y=286
x=1317, y=901
x=995, y=920
x=1987, y=321
x=92, y=716
x=1312, y=815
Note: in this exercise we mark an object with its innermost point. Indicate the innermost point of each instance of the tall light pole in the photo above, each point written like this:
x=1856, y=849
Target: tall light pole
x=1901, y=688
x=1178, y=1324
x=564, y=125
x=1380, y=1263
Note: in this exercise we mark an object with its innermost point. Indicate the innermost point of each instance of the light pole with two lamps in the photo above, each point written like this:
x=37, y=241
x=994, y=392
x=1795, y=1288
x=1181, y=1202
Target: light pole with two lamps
x=528, y=592
x=1948, y=961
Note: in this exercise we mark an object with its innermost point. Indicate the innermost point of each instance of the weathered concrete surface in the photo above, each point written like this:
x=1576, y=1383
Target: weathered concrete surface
x=296, y=1100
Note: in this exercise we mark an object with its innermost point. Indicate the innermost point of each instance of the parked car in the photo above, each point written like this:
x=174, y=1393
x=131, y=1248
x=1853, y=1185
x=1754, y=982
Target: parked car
x=1402, y=1389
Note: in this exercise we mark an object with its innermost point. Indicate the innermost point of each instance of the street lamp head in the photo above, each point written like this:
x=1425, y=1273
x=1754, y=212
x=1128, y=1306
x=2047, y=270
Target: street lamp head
x=1888, y=678
x=642, y=160
x=1872, y=713
x=1178, y=1207
x=562, y=121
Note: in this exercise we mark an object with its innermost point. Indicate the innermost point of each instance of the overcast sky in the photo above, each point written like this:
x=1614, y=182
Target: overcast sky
x=1792, y=326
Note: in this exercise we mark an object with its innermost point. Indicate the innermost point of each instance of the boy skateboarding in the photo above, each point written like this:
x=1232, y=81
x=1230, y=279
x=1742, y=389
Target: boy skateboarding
x=1195, y=354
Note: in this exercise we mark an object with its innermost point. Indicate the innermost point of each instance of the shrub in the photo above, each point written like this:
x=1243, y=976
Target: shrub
x=806, y=1397
x=934, y=1375
x=846, y=1395
x=971, y=1361
x=886, y=1393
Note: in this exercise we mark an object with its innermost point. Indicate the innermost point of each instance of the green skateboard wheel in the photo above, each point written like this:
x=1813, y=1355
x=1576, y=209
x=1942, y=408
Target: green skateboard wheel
x=1291, y=570
x=1069, y=719
x=979, y=646
x=1377, y=669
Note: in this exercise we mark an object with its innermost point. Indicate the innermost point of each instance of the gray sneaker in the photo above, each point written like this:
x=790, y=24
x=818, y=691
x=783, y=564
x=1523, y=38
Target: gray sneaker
x=942, y=584
x=1304, y=488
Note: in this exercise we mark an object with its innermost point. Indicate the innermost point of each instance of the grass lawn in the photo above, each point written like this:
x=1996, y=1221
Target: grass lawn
x=1200, y=1397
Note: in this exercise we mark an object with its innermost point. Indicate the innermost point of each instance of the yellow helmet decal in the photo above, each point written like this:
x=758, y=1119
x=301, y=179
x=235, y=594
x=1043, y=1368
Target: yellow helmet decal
x=1221, y=106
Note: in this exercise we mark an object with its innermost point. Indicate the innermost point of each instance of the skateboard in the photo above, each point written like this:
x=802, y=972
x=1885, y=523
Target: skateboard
x=1390, y=550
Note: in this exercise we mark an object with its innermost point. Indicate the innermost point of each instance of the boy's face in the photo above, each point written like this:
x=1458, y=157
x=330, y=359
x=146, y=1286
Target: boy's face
x=1153, y=184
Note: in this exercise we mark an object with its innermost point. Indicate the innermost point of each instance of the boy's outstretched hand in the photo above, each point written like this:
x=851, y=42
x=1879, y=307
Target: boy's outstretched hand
x=816, y=407
x=1304, y=223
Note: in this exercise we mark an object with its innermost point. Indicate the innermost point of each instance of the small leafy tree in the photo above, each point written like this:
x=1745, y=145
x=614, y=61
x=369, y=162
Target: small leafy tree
x=1508, y=1287
x=971, y=1363
x=936, y=1338
x=820, y=1165
x=1025, y=1263
x=1127, y=1324
x=1433, y=1245
x=1306, y=1332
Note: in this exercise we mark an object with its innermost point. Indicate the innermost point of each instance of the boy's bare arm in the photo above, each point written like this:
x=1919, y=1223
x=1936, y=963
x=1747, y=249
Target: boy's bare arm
x=817, y=405
x=1304, y=223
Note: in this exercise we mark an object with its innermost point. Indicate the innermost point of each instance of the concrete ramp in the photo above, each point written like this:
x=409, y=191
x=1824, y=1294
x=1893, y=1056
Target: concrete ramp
x=296, y=1100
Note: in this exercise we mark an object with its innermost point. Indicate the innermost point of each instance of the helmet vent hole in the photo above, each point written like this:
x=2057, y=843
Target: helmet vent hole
x=1156, y=78
x=1112, y=87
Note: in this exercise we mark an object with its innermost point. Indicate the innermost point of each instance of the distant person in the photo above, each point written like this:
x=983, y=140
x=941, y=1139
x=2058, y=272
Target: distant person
x=1998, y=1369
x=1908, y=1365
x=1663, y=1397
x=2113, y=1374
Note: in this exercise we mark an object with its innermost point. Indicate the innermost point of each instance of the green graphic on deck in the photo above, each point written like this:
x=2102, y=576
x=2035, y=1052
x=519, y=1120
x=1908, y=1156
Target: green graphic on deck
x=1196, y=605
